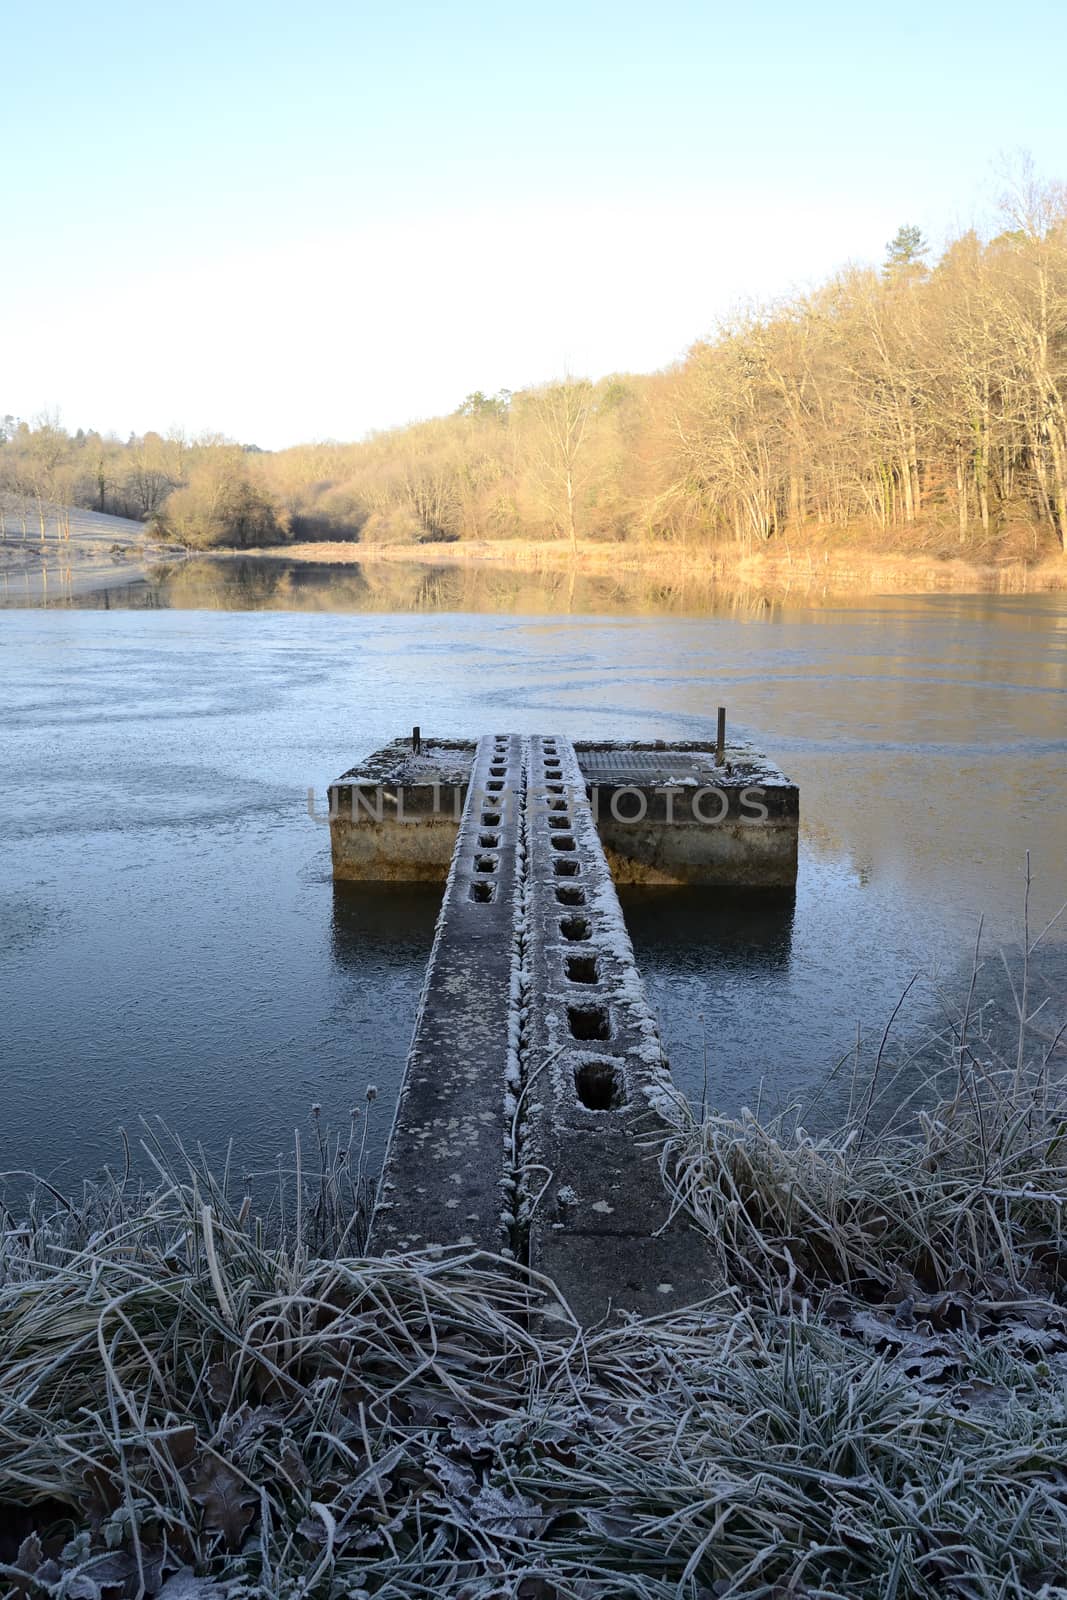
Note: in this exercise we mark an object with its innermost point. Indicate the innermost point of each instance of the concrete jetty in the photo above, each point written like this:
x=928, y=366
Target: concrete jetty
x=444, y=1175
x=666, y=813
x=598, y=1094
x=537, y=1096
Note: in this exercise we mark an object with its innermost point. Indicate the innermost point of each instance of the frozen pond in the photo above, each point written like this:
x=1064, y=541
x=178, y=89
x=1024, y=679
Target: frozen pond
x=171, y=942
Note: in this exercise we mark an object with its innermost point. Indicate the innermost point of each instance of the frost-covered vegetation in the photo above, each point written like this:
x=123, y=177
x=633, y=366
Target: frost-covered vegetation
x=202, y=1395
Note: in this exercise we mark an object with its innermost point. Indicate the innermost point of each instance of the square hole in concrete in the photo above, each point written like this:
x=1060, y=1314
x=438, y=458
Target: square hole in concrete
x=599, y=1084
x=482, y=893
x=490, y=819
x=581, y=969
x=553, y=788
x=488, y=841
x=494, y=786
x=567, y=869
x=563, y=841
x=557, y=805
x=575, y=928
x=485, y=863
x=498, y=772
x=589, y=1022
x=570, y=897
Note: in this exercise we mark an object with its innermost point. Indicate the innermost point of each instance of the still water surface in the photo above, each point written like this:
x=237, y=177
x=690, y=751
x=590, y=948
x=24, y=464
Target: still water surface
x=170, y=939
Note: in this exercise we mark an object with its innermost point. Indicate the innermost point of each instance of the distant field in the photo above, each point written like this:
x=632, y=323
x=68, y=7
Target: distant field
x=91, y=526
x=33, y=569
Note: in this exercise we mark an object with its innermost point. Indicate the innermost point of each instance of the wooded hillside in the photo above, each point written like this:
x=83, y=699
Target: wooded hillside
x=920, y=405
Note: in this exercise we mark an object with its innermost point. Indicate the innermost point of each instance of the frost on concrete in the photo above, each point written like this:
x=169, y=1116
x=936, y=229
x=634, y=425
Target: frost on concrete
x=450, y=1128
x=443, y=761
x=598, y=1089
x=395, y=815
x=537, y=1080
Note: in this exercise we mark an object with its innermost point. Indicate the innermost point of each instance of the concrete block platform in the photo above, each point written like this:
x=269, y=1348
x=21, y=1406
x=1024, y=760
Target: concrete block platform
x=442, y=1181
x=666, y=813
x=395, y=818
x=598, y=1094
x=537, y=1097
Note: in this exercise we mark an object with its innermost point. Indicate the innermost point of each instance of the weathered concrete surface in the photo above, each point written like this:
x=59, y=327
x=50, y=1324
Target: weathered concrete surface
x=537, y=1098
x=444, y=1171
x=598, y=1099
x=394, y=852
x=668, y=814
x=537, y=1093
x=395, y=818
x=665, y=812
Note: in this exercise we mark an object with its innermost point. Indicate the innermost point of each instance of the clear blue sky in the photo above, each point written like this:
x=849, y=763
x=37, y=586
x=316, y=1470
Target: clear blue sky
x=287, y=222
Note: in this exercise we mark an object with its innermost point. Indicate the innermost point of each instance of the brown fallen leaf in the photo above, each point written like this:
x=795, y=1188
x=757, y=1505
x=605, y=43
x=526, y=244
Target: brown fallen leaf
x=228, y=1503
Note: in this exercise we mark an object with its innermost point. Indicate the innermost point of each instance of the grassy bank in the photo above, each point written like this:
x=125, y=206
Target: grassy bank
x=849, y=569
x=79, y=551
x=206, y=1391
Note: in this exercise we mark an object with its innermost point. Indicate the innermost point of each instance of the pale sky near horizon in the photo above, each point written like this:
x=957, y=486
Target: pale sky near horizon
x=291, y=222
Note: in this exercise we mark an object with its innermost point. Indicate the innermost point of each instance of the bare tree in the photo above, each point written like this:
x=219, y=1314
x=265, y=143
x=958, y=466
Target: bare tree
x=920, y=401
x=557, y=419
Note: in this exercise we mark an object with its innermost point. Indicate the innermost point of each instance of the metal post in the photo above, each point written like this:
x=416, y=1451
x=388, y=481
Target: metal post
x=720, y=738
x=416, y=741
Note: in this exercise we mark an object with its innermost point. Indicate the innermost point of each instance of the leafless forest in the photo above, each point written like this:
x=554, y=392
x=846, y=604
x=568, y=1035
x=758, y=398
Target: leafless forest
x=918, y=406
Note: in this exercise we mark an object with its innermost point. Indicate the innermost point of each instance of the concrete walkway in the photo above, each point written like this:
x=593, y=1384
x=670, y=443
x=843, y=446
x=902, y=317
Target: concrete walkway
x=537, y=1092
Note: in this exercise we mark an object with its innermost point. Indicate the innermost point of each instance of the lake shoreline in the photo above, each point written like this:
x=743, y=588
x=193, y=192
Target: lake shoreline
x=35, y=571
x=32, y=574
x=846, y=571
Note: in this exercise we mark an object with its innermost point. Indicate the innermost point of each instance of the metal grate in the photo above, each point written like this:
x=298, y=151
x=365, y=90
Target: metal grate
x=610, y=765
